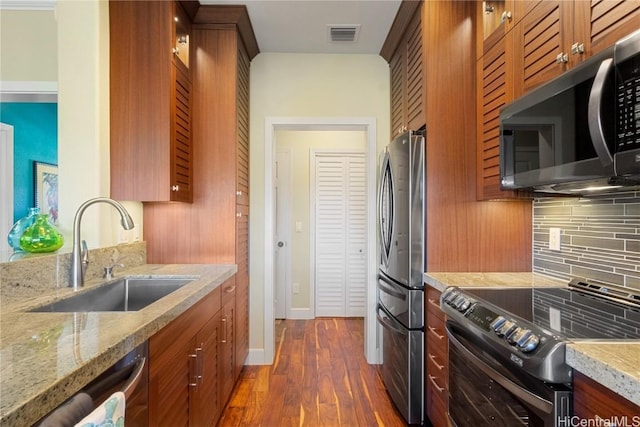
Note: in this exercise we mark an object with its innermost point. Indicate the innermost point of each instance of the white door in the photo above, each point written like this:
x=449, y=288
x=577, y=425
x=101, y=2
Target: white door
x=6, y=186
x=340, y=218
x=282, y=231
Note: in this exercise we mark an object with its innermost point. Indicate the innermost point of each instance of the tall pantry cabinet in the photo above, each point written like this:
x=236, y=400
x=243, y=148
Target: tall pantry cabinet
x=214, y=227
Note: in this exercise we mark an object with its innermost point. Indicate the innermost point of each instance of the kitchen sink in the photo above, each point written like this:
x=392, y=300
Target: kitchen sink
x=126, y=294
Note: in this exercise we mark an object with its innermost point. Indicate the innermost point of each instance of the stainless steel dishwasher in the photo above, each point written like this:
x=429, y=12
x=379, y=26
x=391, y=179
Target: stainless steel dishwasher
x=130, y=375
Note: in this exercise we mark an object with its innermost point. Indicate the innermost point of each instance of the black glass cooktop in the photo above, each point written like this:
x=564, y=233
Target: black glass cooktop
x=572, y=313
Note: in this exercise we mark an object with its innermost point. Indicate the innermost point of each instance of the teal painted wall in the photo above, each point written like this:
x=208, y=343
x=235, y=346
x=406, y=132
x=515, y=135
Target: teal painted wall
x=35, y=138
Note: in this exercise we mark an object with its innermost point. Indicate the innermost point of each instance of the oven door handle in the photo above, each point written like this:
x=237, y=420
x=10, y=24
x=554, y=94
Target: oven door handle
x=521, y=393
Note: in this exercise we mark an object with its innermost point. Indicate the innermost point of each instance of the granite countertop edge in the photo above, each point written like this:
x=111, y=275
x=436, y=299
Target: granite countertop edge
x=28, y=404
x=598, y=360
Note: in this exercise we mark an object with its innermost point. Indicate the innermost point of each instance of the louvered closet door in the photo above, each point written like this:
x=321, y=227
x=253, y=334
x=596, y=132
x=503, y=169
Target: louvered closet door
x=340, y=224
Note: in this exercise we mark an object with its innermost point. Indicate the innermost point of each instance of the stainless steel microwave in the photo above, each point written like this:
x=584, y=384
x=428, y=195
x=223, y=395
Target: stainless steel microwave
x=580, y=131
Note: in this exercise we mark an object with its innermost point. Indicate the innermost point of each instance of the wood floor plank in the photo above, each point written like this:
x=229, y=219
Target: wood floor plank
x=320, y=377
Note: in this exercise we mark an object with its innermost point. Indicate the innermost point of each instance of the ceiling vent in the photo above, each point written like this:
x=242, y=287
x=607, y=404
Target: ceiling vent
x=343, y=33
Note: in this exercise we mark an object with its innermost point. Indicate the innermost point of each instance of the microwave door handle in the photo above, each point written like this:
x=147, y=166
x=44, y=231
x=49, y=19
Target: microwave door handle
x=594, y=113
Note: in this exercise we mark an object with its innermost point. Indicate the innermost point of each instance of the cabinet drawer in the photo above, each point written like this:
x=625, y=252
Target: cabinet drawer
x=433, y=302
x=437, y=367
x=228, y=290
x=437, y=411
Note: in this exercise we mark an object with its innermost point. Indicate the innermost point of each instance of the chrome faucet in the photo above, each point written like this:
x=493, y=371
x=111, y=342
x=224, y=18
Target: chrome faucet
x=80, y=257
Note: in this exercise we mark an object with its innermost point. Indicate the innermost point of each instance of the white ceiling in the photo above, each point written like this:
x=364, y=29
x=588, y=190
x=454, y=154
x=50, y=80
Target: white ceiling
x=300, y=26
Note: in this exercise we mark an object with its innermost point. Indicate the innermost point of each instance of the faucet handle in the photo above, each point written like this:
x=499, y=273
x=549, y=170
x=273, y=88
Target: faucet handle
x=108, y=271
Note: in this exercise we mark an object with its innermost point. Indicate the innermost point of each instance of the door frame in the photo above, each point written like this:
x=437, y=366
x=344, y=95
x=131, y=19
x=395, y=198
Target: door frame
x=6, y=173
x=287, y=283
x=313, y=154
x=368, y=124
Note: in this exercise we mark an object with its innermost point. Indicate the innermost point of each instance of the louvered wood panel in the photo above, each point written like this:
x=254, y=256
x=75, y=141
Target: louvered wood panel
x=356, y=238
x=242, y=154
x=181, y=154
x=415, y=93
x=541, y=39
x=396, y=67
x=340, y=215
x=331, y=223
x=612, y=20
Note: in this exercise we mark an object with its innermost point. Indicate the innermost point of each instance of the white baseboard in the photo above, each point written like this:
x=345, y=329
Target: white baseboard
x=300, y=314
x=256, y=357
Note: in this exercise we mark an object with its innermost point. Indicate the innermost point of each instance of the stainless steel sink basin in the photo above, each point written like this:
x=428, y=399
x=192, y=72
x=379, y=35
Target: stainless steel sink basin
x=127, y=294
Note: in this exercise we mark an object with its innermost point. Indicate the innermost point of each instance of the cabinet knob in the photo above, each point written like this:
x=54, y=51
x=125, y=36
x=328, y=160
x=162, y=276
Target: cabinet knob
x=175, y=188
x=562, y=58
x=175, y=50
x=238, y=214
x=506, y=16
x=238, y=193
x=577, y=48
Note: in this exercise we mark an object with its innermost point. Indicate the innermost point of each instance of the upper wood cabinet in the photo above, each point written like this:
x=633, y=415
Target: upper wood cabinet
x=540, y=40
x=403, y=50
x=150, y=101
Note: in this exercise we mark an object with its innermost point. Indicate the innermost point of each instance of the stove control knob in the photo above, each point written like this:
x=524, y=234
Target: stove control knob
x=450, y=297
x=497, y=322
x=521, y=337
x=457, y=301
x=464, y=305
x=530, y=344
x=506, y=328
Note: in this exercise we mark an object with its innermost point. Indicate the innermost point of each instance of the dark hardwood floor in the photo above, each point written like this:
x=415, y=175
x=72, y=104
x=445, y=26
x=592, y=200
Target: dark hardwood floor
x=320, y=377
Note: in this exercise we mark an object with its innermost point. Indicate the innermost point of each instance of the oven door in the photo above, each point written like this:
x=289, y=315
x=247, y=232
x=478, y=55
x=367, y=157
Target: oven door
x=484, y=393
x=403, y=366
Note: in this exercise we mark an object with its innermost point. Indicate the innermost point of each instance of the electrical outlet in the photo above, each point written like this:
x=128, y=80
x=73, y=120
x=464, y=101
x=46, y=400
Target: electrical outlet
x=554, y=239
x=296, y=288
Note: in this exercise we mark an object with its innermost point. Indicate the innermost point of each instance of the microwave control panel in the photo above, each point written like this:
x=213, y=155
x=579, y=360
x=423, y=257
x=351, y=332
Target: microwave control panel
x=628, y=105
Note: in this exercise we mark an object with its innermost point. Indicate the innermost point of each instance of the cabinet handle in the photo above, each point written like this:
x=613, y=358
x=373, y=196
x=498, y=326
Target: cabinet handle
x=199, y=363
x=562, y=58
x=193, y=359
x=577, y=48
x=434, y=303
x=239, y=215
x=238, y=193
x=435, y=384
x=433, y=359
x=230, y=289
x=224, y=323
x=506, y=16
x=175, y=188
x=433, y=331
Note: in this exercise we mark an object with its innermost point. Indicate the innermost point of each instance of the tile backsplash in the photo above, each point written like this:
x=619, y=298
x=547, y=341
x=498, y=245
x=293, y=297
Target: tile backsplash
x=600, y=238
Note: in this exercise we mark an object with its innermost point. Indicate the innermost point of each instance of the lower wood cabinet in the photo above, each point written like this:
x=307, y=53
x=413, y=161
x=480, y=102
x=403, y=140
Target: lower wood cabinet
x=191, y=363
x=437, y=366
x=593, y=401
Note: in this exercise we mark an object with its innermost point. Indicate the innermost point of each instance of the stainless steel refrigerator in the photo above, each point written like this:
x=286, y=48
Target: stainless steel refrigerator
x=400, y=308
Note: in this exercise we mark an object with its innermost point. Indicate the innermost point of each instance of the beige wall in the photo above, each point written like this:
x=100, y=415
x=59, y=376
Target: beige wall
x=81, y=69
x=299, y=145
x=29, y=45
x=304, y=85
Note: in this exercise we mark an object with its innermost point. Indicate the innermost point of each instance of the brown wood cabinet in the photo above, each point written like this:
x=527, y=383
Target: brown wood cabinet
x=521, y=54
x=215, y=227
x=592, y=400
x=150, y=102
x=184, y=368
x=403, y=51
x=437, y=361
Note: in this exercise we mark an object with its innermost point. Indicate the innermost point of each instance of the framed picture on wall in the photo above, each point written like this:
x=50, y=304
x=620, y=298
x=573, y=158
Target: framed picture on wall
x=46, y=189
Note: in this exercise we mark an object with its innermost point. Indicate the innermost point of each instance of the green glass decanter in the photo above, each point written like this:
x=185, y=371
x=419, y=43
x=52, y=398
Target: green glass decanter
x=41, y=236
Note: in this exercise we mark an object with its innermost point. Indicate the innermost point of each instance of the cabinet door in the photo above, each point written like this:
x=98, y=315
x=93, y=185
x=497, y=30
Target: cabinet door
x=415, y=86
x=539, y=53
x=396, y=68
x=592, y=401
x=492, y=95
x=602, y=23
x=205, y=402
x=181, y=151
x=227, y=349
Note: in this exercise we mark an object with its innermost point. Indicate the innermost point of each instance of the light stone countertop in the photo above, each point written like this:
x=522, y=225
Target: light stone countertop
x=614, y=364
x=45, y=358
